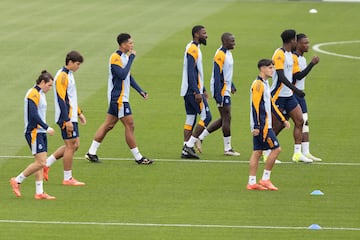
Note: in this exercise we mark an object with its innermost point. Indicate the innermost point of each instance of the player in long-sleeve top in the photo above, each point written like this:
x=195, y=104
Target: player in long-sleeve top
x=222, y=86
x=262, y=108
x=119, y=82
x=35, y=134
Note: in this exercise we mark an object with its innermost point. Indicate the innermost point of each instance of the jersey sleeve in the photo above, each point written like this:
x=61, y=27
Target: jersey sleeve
x=33, y=102
x=279, y=59
x=61, y=92
x=256, y=97
x=192, y=56
x=219, y=60
x=117, y=67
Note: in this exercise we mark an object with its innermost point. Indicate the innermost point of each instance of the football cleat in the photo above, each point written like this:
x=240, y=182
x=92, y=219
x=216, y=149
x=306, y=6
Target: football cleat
x=189, y=152
x=315, y=159
x=255, y=187
x=73, y=182
x=92, y=158
x=231, y=153
x=299, y=157
x=268, y=184
x=15, y=187
x=144, y=161
x=44, y=196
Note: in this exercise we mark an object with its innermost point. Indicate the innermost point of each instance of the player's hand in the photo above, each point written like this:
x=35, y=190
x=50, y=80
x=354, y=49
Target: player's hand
x=286, y=124
x=255, y=132
x=206, y=95
x=82, y=119
x=50, y=131
x=315, y=60
x=233, y=90
x=132, y=51
x=198, y=97
x=144, y=95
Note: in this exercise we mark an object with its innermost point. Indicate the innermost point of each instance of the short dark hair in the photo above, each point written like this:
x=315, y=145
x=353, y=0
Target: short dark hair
x=288, y=35
x=73, y=56
x=225, y=36
x=265, y=62
x=123, y=37
x=45, y=75
x=300, y=36
x=196, y=29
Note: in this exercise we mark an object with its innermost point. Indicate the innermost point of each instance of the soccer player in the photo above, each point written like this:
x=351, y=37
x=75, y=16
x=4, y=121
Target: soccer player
x=221, y=86
x=194, y=92
x=261, y=107
x=302, y=47
x=35, y=135
x=119, y=83
x=67, y=114
x=283, y=91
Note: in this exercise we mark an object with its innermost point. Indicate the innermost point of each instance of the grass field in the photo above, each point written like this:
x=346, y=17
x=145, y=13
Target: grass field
x=177, y=199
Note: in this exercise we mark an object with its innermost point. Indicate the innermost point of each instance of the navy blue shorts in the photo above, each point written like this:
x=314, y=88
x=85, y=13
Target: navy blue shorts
x=119, y=110
x=37, y=143
x=286, y=104
x=75, y=133
x=193, y=108
x=270, y=141
x=302, y=102
x=226, y=101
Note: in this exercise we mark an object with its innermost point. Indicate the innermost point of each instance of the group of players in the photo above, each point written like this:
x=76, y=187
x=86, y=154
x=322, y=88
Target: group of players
x=271, y=107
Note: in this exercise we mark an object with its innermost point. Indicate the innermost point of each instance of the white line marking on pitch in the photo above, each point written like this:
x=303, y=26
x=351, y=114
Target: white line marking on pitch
x=194, y=160
x=174, y=225
x=316, y=48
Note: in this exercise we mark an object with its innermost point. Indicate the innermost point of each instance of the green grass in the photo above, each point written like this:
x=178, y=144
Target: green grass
x=184, y=199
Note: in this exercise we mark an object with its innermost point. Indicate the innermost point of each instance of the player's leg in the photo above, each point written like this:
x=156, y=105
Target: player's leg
x=273, y=144
x=296, y=115
x=225, y=113
x=129, y=126
x=40, y=159
x=110, y=121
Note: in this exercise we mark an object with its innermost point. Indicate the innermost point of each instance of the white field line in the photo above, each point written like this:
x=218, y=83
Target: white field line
x=316, y=48
x=175, y=225
x=189, y=160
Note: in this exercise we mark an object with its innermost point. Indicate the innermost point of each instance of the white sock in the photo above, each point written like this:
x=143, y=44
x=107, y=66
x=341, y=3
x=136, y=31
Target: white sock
x=94, y=147
x=252, y=180
x=191, y=141
x=305, y=147
x=39, y=187
x=50, y=160
x=136, y=153
x=297, y=148
x=204, y=134
x=227, y=143
x=67, y=175
x=266, y=175
x=20, y=178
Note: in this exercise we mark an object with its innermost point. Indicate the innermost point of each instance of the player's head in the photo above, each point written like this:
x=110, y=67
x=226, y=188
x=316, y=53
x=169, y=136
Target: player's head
x=73, y=56
x=303, y=43
x=44, y=76
x=125, y=42
x=45, y=81
x=266, y=67
x=199, y=34
x=288, y=35
x=228, y=40
x=265, y=63
x=123, y=38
